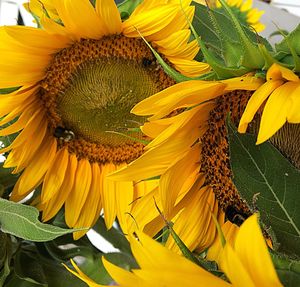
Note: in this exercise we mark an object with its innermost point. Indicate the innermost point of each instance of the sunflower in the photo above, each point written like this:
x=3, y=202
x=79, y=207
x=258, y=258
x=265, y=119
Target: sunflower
x=190, y=153
x=243, y=9
x=78, y=77
x=245, y=263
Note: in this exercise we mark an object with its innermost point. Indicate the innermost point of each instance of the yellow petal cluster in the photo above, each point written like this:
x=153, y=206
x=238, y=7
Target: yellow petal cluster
x=278, y=98
x=174, y=155
x=246, y=264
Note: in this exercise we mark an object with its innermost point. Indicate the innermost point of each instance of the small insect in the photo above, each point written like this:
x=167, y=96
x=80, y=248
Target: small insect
x=235, y=216
x=64, y=134
x=147, y=62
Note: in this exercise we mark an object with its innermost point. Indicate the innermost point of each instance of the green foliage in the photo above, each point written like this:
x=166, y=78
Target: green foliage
x=31, y=268
x=262, y=173
x=291, y=48
x=127, y=7
x=293, y=39
x=22, y=221
x=6, y=251
x=287, y=269
x=230, y=47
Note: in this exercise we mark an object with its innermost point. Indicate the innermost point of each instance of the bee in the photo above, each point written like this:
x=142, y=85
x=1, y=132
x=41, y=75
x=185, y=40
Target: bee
x=235, y=216
x=64, y=134
x=146, y=62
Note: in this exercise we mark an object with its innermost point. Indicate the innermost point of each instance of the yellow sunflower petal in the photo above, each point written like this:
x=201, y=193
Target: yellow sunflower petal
x=254, y=15
x=55, y=175
x=243, y=83
x=146, y=5
x=234, y=269
x=151, y=255
x=121, y=276
x=174, y=40
x=247, y=5
x=56, y=202
x=256, y=101
x=277, y=72
x=149, y=22
x=19, y=124
x=252, y=250
x=196, y=229
x=179, y=22
x=11, y=107
x=30, y=69
x=80, y=18
x=20, y=157
x=31, y=127
x=110, y=15
x=143, y=212
x=108, y=194
x=124, y=194
x=186, y=51
x=185, y=125
x=37, y=168
x=79, y=193
x=294, y=112
x=154, y=128
x=40, y=8
x=162, y=103
x=189, y=68
x=53, y=27
x=155, y=161
x=259, y=27
x=34, y=38
x=29, y=152
x=78, y=273
x=275, y=111
x=92, y=206
x=171, y=185
x=215, y=250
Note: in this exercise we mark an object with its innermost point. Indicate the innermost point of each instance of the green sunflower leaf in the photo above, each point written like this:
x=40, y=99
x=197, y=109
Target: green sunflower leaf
x=266, y=179
x=53, y=273
x=28, y=268
x=288, y=270
x=22, y=221
x=229, y=44
x=4, y=271
x=290, y=40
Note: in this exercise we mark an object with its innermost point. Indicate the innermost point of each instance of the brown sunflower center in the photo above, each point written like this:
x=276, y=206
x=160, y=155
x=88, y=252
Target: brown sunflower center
x=215, y=162
x=89, y=90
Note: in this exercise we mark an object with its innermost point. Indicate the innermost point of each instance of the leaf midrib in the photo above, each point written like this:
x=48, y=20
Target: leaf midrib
x=37, y=225
x=271, y=189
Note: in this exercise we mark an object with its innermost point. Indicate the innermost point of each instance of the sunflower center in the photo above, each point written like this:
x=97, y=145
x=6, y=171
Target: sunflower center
x=215, y=161
x=97, y=101
x=89, y=90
